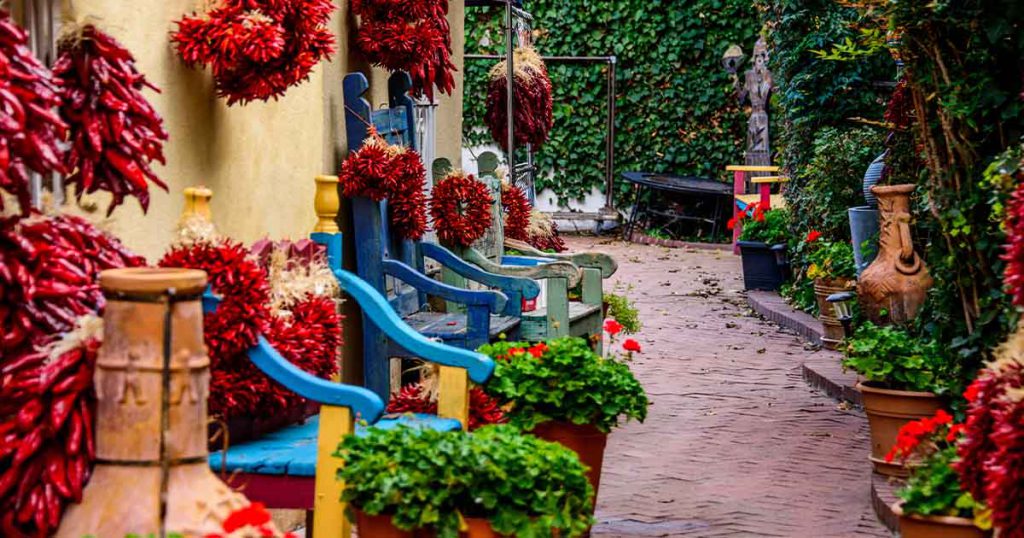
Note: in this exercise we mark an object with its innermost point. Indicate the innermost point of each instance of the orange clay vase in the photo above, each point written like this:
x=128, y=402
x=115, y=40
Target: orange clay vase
x=894, y=286
x=152, y=380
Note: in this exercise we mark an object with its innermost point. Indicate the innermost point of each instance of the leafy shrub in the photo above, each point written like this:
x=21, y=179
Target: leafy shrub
x=427, y=479
x=831, y=259
x=771, y=227
x=563, y=380
x=892, y=357
x=832, y=181
x=622, y=309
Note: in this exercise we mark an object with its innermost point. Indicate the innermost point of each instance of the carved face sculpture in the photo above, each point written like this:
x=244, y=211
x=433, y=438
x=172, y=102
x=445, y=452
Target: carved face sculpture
x=760, y=55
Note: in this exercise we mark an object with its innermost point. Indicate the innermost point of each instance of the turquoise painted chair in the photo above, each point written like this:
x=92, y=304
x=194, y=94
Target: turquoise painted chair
x=293, y=468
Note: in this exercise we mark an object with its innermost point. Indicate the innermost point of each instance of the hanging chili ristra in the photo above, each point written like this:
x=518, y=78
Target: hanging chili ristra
x=461, y=209
x=257, y=49
x=408, y=35
x=115, y=132
x=29, y=127
x=534, y=107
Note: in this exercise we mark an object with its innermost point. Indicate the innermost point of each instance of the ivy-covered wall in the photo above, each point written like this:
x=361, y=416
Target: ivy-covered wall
x=676, y=108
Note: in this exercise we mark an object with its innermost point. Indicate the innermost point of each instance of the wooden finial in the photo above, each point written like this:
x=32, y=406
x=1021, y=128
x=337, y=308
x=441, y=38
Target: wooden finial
x=197, y=204
x=327, y=203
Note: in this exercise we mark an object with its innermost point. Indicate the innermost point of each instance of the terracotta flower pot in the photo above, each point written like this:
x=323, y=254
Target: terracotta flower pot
x=896, y=284
x=888, y=410
x=832, y=333
x=380, y=526
x=586, y=441
x=915, y=526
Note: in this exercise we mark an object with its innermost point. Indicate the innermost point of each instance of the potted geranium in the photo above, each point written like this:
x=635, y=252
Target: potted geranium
x=496, y=481
x=933, y=502
x=899, y=374
x=565, y=392
x=832, y=268
x=763, y=247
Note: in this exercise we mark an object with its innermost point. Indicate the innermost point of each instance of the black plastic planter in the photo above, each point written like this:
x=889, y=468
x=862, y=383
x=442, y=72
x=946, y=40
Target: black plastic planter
x=764, y=266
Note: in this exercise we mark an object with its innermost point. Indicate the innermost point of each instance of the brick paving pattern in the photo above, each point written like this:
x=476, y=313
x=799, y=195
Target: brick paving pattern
x=736, y=444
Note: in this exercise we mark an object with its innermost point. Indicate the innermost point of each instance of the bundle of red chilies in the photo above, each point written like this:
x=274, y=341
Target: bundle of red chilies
x=48, y=271
x=408, y=35
x=29, y=127
x=257, y=49
x=93, y=98
x=532, y=96
x=115, y=132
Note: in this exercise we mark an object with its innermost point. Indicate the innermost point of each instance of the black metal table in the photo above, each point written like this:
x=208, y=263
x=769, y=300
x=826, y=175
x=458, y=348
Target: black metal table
x=694, y=186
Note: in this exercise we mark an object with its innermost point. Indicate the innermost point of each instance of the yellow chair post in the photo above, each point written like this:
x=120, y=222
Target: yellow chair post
x=453, y=395
x=327, y=203
x=329, y=519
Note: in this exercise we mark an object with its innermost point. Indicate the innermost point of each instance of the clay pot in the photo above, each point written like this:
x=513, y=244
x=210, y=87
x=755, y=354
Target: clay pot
x=381, y=527
x=832, y=329
x=894, y=286
x=915, y=526
x=135, y=460
x=887, y=411
x=586, y=441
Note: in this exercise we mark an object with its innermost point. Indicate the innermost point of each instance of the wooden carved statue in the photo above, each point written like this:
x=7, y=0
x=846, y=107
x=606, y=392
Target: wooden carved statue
x=756, y=87
x=894, y=286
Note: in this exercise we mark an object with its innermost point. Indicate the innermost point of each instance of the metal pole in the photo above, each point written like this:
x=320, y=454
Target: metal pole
x=510, y=80
x=610, y=156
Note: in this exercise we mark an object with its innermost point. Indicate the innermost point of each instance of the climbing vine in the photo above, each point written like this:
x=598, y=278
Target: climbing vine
x=676, y=108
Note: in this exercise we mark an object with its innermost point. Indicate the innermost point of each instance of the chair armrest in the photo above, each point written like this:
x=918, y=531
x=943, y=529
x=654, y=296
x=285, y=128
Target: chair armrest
x=494, y=300
x=376, y=307
x=506, y=283
x=543, y=269
x=598, y=260
x=364, y=404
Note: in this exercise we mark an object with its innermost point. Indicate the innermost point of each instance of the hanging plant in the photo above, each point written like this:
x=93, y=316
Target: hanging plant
x=408, y=35
x=115, y=132
x=257, y=49
x=29, y=127
x=48, y=342
x=532, y=100
x=461, y=209
x=381, y=171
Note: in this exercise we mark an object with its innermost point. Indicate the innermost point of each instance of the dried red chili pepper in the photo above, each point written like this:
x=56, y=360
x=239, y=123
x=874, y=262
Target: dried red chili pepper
x=115, y=132
x=29, y=129
x=257, y=49
x=460, y=207
x=408, y=35
x=534, y=107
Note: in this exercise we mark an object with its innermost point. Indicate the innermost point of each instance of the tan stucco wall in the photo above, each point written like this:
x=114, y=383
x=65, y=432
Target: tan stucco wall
x=260, y=158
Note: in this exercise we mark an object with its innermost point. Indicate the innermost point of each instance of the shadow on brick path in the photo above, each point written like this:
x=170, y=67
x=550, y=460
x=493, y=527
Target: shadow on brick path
x=736, y=444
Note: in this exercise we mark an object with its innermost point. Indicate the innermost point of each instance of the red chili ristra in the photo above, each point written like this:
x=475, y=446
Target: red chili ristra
x=115, y=132
x=29, y=127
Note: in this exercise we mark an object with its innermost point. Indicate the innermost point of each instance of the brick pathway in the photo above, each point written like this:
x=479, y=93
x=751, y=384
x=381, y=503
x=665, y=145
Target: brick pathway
x=736, y=444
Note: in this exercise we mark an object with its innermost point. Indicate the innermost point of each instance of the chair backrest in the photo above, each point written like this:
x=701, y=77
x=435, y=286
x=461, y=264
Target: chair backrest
x=492, y=244
x=373, y=240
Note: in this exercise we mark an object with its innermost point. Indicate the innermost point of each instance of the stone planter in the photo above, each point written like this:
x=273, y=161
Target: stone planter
x=915, y=526
x=896, y=284
x=888, y=410
x=832, y=329
x=764, y=265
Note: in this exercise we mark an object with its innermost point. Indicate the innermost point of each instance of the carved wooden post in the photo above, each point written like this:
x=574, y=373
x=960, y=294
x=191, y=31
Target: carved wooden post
x=327, y=203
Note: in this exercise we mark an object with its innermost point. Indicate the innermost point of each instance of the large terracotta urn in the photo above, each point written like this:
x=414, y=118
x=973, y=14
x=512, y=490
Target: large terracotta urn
x=152, y=380
x=894, y=286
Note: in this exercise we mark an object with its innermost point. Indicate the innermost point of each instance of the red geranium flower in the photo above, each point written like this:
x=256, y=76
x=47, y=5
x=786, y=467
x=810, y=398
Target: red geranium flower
x=631, y=345
x=971, y=393
x=254, y=515
x=813, y=236
x=612, y=327
x=538, y=350
x=758, y=213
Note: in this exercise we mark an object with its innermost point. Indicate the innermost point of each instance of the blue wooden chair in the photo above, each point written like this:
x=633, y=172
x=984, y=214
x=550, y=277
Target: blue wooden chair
x=293, y=467
x=397, y=267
